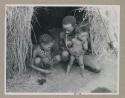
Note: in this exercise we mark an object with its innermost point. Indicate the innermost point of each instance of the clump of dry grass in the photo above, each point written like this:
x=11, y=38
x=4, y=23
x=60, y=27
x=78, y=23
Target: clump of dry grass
x=18, y=34
x=101, y=29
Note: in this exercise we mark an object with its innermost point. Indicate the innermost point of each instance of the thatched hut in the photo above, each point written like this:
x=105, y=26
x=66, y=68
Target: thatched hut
x=18, y=36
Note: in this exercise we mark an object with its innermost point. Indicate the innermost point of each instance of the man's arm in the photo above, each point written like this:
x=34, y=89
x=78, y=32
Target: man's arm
x=41, y=70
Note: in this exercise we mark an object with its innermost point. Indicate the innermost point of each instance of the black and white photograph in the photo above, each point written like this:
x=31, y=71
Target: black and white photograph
x=62, y=49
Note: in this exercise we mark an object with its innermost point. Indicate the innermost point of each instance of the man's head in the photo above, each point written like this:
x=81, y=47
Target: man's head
x=69, y=23
x=46, y=42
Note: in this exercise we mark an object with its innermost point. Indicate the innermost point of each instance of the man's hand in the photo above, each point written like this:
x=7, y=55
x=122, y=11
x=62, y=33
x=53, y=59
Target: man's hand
x=69, y=44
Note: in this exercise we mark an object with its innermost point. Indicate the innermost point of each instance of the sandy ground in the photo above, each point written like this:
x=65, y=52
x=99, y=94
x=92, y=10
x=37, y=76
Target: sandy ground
x=58, y=82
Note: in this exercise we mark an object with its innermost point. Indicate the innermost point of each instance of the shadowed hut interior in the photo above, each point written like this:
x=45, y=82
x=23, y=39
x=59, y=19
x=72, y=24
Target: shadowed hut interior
x=49, y=20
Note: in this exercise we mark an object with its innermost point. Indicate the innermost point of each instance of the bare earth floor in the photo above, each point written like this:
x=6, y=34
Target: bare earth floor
x=106, y=81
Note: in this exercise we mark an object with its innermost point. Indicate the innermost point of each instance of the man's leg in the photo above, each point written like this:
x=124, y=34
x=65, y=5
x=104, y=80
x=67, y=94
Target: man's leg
x=71, y=61
x=91, y=63
x=36, y=64
x=37, y=61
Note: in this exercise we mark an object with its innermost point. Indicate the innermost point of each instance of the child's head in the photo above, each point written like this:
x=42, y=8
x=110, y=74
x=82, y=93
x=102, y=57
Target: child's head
x=46, y=42
x=82, y=34
x=69, y=23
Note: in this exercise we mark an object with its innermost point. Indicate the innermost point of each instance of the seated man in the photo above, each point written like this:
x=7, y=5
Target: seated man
x=69, y=32
x=42, y=55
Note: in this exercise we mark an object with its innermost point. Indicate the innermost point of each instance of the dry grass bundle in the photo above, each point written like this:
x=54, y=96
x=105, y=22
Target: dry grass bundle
x=18, y=38
x=102, y=30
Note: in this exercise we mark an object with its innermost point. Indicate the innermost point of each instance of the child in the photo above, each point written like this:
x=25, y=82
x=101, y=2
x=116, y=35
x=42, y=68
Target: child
x=77, y=48
x=42, y=54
